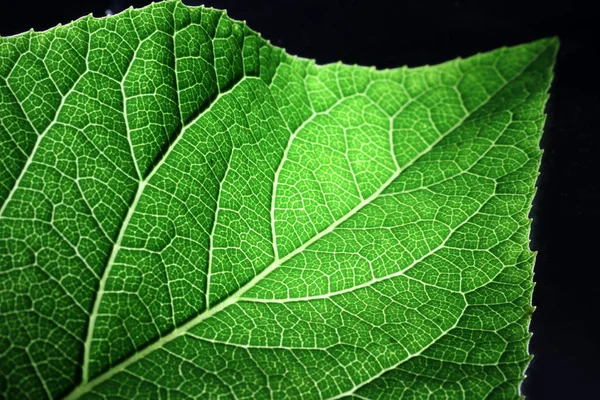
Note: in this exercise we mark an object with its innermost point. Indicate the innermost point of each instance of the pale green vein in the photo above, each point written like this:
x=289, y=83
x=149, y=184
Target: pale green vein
x=39, y=139
x=238, y=295
x=117, y=246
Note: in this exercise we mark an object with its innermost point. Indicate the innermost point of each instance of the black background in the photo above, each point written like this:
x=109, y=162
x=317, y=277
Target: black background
x=389, y=34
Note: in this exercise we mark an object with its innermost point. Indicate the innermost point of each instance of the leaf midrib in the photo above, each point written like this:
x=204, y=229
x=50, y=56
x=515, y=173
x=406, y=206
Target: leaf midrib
x=184, y=328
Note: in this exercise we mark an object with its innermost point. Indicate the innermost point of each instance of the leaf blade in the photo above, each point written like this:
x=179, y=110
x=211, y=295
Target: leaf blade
x=308, y=125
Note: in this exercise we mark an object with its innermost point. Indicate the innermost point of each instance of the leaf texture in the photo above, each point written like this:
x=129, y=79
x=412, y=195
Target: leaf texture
x=189, y=212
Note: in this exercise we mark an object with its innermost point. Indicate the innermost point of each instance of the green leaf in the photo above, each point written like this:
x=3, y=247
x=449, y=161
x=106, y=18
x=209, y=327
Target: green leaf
x=189, y=212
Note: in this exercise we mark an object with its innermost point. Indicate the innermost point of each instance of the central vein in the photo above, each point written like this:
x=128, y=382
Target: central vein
x=87, y=385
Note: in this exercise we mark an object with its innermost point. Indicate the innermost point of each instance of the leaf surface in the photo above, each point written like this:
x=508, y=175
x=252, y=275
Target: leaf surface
x=189, y=212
